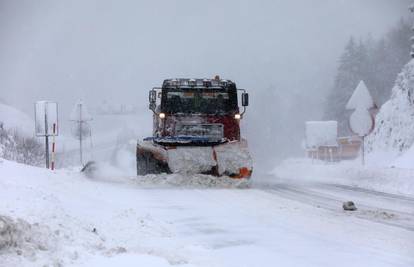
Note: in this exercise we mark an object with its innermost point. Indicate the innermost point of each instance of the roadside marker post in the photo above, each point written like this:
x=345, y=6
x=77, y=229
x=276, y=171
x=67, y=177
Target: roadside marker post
x=46, y=124
x=53, y=147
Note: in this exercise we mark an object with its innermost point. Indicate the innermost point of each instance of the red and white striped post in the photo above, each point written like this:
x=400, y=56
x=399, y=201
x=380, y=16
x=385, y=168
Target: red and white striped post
x=53, y=147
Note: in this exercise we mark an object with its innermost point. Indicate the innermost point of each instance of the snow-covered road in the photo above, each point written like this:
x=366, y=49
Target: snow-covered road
x=121, y=222
x=385, y=208
x=117, y=219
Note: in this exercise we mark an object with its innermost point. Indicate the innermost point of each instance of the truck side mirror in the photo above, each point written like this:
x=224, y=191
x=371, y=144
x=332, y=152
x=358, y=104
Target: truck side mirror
x=245, y=99
x=152, y=97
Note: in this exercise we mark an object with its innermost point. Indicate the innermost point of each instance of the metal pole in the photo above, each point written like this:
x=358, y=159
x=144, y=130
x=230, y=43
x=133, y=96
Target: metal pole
x=46, y=139
x=47, y=151
x=363, y=150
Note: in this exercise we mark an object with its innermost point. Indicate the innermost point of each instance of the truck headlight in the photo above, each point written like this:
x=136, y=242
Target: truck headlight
x=237, y=116
x=161, y=115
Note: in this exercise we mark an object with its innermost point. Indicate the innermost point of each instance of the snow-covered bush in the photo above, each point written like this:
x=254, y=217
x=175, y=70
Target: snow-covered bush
x=16, y=147
x=394, y=129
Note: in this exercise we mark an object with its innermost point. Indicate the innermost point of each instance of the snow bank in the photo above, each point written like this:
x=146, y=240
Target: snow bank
x=387, y=180
x=127, y=260
x=394, y=124
x=57, y=219
x=406, y=160
x=13, y=118
x=29, y=241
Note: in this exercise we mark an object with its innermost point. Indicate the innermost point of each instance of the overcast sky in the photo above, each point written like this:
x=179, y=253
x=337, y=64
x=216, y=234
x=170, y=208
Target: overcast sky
x=118, y=50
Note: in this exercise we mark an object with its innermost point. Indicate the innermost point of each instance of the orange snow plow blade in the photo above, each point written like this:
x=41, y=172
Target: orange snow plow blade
x=243, y=173
x=229, y=159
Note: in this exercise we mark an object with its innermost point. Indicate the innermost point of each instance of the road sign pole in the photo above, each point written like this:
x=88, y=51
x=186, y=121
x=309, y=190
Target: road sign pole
x=80, y=116
x=46, y=114
x=47, y=151
x=46, y=141
x=363, y=151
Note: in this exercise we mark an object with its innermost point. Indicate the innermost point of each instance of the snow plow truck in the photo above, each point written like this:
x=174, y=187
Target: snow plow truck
x=196, y=129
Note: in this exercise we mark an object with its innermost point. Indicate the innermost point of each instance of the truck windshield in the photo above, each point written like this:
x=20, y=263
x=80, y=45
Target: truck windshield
x=197, y=101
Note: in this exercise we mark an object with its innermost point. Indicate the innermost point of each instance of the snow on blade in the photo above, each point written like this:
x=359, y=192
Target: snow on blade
x=191, y=159
x=191, y=181
x=232, y=156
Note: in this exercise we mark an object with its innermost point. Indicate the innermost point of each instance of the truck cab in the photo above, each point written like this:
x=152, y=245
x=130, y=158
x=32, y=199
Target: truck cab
x=196, y=111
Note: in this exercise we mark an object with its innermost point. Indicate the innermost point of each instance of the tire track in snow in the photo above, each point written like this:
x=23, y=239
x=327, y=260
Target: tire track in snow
x=389, y=196
x=333, y=203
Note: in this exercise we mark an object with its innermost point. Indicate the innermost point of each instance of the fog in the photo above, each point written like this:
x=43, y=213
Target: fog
x=284, y=52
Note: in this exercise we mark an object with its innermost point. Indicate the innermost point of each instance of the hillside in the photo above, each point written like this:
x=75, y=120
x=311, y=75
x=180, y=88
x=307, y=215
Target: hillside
x=17, y=141
x=13, y=118
x=394, y=131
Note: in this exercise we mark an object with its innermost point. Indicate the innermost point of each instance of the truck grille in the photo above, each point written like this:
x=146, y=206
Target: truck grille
x=213, y=132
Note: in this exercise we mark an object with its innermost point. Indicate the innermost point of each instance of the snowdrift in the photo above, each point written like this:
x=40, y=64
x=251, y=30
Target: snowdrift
x=26, y=240
x=405, y=161
x=57, y=219
x=349, y=173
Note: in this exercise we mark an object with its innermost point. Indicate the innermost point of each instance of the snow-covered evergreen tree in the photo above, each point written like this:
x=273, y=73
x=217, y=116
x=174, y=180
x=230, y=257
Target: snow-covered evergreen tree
x=394, y=130
x=388, y=58
x=350, y=72
x=375, y=62
x=17, y=147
